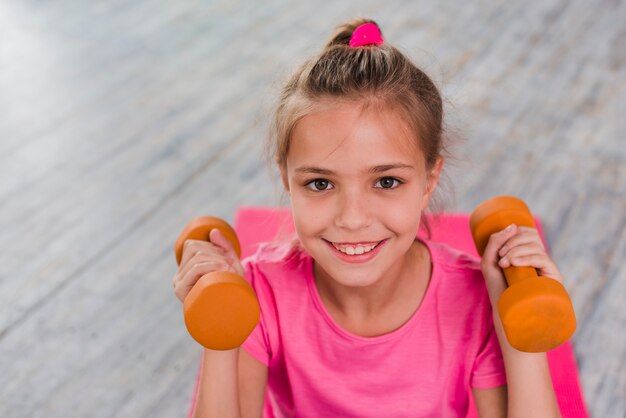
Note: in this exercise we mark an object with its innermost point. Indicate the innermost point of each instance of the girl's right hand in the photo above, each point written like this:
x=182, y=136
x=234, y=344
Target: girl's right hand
x=203, y=257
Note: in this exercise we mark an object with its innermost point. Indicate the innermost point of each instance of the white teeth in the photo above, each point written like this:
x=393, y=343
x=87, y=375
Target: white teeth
x=358, y=250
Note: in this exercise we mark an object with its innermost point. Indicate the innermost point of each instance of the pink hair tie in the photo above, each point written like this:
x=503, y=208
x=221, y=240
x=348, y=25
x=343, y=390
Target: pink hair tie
x=366, y=34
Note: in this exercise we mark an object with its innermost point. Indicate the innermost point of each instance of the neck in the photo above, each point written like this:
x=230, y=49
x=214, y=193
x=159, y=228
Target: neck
x=385, y=295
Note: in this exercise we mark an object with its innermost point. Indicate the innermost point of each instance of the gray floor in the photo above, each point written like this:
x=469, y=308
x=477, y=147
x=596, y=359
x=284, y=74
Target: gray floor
x=120, y=121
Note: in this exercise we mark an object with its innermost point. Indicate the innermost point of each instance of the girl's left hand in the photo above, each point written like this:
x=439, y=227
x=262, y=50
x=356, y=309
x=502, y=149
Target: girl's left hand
x=518, y=246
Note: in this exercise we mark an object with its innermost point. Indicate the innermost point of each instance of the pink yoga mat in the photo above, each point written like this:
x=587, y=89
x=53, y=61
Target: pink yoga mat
x=258, y=224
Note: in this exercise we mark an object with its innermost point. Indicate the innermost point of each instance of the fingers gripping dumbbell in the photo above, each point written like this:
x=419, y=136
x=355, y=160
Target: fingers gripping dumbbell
x=536, y=312
x=221, y=309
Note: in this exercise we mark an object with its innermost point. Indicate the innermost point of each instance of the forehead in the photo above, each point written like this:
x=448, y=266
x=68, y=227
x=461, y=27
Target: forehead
x=351, y=134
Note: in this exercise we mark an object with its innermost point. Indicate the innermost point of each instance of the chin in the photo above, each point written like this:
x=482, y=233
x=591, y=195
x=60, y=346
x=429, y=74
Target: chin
x=353, y=278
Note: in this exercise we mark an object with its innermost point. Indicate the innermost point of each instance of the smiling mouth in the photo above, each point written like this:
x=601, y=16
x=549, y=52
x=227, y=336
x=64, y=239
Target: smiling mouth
x=356, y=248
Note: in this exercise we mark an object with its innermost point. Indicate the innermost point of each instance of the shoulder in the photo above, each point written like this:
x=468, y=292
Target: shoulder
x=276, y=272
x=275, y=260
x=453, y=260
x=457, y=273
x=460, y=289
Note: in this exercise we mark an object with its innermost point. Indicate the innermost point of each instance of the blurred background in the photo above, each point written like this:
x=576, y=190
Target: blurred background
x=122, y=120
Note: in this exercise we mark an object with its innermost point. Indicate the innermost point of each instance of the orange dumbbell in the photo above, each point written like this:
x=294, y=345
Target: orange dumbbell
x=536, y=312
x=221, y=310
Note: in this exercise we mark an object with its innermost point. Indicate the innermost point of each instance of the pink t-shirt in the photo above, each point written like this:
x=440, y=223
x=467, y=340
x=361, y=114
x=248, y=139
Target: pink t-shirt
x=425, y=368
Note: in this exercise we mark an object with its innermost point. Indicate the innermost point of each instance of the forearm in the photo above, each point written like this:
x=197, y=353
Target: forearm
x=218, y=392
x=529, y=384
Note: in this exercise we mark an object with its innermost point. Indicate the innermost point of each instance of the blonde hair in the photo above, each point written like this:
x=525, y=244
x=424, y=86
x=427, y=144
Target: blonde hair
x=378, y=75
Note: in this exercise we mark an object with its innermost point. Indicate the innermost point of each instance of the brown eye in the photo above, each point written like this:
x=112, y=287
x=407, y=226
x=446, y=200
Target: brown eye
x=388, y=183
x=319, y=185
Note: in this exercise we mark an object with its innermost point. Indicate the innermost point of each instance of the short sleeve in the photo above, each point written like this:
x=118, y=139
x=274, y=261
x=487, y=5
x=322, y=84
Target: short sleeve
x=258, y=342
x=488, y=370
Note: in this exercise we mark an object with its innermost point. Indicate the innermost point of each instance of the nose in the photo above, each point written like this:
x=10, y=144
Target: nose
x=353, y=212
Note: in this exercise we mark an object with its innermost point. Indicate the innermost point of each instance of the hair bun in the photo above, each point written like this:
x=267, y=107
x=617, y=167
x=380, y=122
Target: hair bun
x=344, y=32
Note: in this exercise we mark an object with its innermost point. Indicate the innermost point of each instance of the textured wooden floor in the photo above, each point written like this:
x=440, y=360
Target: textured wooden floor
x=120, y=120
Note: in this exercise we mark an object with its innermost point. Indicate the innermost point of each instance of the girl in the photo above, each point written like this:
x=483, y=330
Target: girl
x=360, y=318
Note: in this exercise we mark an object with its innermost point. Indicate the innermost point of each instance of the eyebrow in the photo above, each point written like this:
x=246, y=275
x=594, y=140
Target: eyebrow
x=376, y=169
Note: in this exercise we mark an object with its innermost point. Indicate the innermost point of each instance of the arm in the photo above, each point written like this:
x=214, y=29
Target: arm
x=529, y=384
x=218, y=392
x=530, y=390
x=492, y=402
x=232, y=384
x=252, y=385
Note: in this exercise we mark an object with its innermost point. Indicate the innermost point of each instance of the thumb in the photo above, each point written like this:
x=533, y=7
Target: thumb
x=219, y=240
x=494, y=276
x=496, y=241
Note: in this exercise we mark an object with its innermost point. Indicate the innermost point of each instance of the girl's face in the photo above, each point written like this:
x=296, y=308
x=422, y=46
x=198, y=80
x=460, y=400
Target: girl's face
x=357, y=184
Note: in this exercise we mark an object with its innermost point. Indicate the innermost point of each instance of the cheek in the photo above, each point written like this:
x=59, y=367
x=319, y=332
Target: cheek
x=404, y=215
x=309, y=215
x=403, y=218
